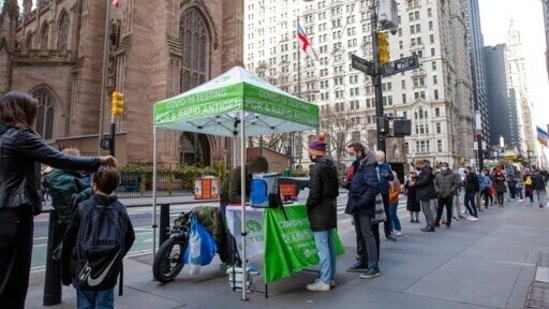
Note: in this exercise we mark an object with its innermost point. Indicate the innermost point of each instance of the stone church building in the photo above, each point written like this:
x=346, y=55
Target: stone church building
x=55, y=50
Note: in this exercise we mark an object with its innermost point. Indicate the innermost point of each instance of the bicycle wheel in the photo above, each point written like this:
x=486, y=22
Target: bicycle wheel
x=168, y=261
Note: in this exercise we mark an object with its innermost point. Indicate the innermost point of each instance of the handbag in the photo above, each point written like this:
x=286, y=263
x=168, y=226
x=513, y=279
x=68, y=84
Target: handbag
x=379, y=214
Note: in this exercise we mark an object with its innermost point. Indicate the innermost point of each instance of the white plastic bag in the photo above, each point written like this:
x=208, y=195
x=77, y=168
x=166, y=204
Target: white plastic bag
x=194, y=252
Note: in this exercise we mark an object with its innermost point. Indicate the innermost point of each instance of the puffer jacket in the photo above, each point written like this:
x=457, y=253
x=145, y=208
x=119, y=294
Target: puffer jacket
x=324, y=189
x=66, y=189
x=21, y=154
x=446, y=184
x=229, y=191
x=364, y=188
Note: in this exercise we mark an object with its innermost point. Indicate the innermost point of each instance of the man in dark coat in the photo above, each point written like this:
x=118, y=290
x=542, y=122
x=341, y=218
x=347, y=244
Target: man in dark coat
x=322, y=212
x=425, y=192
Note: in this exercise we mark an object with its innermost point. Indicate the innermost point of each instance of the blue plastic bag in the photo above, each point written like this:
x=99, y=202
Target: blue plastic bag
x=201, y=248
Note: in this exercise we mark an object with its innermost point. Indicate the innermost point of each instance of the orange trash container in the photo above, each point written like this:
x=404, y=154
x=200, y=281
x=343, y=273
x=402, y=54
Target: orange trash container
x=206, y=188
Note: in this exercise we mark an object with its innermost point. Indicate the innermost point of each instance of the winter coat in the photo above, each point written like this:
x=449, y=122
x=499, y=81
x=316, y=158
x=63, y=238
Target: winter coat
x=425, y=188
x=323, y=191
x=499, y=182
x=364, y=188
x=20, y=155
x=385, y=168
x=412, y=204
x=66, y=189
x=471, y=183
x=446, y=184
x=229, y=191
x=537, y=182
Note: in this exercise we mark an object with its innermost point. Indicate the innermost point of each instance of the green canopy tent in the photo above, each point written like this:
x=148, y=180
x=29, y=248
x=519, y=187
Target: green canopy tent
x=236, y=104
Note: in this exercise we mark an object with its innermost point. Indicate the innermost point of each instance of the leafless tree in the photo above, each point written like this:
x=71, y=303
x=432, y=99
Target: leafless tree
x=340, y=127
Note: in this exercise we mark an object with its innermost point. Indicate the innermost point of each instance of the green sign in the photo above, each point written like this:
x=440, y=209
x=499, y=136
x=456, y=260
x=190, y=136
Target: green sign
x=289, y=244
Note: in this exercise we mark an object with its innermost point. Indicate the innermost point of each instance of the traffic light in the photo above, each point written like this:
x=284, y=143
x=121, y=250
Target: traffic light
x=117, y=103
x=383, y=46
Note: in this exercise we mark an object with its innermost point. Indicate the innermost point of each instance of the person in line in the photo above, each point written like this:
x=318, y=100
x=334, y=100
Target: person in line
x=538, y=184
x=357, y=151
x=66, y=189
x=528, y=191
x=322, y=212
x=21, y=152
x=412, y=204
x=446, y=185
x=104, y=182
x=471, y=187
x=394, y=193
x=385, y=175
x=425, y=192
x=485, y=192
x=499, y=185
x=230, y=193
x=361, y=205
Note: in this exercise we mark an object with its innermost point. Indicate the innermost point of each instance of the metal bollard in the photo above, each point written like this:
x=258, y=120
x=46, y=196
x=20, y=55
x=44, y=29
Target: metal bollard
x=164, y=223
x=52, y=280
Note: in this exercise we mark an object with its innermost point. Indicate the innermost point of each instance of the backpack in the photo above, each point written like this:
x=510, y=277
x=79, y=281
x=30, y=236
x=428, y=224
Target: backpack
x=99, y=246
x=481, y=182
x=394, y=191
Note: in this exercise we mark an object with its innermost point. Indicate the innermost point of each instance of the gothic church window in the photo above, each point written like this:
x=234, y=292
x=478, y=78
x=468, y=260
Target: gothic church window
x=195, y=40
x=44, y=37
x=28, y=42
x=44, y=117
x=63, y=34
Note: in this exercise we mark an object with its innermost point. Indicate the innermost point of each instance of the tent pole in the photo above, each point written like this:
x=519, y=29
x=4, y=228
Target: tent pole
x=243, y=203
x=154, y=225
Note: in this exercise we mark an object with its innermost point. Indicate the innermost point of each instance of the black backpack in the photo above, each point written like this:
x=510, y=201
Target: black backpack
x=99, y=246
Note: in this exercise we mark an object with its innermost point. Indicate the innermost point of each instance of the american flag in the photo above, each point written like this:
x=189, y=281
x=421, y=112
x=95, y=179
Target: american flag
x=116, y=3
x=305, y=43
x=543, y=137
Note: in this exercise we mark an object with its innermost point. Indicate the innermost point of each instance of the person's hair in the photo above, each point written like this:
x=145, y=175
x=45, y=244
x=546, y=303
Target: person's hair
x=71, y=151
x=106, y=178
x=18, y=109
x=380, y=155
x=357, y=147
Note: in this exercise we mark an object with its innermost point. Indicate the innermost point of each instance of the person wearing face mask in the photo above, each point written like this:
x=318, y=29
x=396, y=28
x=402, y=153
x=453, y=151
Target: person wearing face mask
x=445, y=185
x=322, y=212
x=425, y=191
x=385, y=175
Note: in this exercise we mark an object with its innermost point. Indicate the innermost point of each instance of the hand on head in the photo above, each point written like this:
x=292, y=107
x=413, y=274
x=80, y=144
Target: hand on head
x=109, y=160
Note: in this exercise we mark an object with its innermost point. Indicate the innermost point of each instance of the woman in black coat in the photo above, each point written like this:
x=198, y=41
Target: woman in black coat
x=412, y=204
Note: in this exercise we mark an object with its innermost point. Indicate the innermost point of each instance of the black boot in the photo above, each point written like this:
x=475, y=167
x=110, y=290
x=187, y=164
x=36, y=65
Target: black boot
x=428, y=229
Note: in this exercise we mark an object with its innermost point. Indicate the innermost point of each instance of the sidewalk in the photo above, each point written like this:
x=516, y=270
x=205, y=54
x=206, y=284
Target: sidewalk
x=486, y=264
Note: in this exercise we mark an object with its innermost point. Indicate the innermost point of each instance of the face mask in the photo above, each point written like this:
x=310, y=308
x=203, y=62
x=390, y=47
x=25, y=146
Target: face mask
x=443, y=168
x=379, y=162
x=313, y=159
x=351, y=156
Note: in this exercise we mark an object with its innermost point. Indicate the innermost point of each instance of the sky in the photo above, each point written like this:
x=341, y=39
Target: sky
x=495, y=18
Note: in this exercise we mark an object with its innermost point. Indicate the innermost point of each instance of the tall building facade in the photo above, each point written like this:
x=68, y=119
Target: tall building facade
x=516, y=80
x=478, y=68
x=502, y=101
x=545, y=6
x=155, y=49
x=437, y=97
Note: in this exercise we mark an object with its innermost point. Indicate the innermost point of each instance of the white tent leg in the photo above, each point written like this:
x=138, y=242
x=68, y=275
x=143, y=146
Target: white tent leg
x=154, y=224
x=243, y=203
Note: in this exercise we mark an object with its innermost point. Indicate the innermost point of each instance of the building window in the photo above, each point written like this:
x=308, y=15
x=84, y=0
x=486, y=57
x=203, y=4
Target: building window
x=437, y=112
x=438, y=128
x=439, y=145
x=356, y=136
x=44, y=37
x=195, y=40
x=63, y=34
x=45, y=114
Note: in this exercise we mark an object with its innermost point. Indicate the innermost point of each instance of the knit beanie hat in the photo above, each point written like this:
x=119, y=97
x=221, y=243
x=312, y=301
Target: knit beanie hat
x=318, y=146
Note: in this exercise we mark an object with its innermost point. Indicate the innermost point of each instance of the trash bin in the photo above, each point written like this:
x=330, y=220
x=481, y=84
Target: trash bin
x=286, y=172
x=206, y=188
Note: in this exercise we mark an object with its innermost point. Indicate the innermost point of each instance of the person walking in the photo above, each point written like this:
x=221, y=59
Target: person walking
x=446, y=185
x=425, y=191
x=538, y=184
x=322, y=212
x=499, y=185
x=412, y=204
x=361, y=205
x=358, y=151
x=485, y=191
x=21, y=152
x=386, y=175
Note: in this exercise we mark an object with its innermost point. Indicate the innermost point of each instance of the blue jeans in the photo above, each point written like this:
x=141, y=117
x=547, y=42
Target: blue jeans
x=95, y=299
x=470, y=203
x=394, y=217
x=325, y=245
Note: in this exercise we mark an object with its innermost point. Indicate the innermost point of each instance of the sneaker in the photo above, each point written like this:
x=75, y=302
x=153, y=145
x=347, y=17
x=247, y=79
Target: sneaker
x=473, y=218
x=398, y=233
x=358, y=267
x=371, y=273
x=252, y=270
x=391, y=237
x=318, y=286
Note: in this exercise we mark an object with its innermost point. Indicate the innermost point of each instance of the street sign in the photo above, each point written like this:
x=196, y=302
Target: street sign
x=363, y=65
x=400, y=65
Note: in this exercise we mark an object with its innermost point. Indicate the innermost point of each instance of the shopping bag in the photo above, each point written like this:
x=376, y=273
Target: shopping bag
x=201, y=248
x=379, y=210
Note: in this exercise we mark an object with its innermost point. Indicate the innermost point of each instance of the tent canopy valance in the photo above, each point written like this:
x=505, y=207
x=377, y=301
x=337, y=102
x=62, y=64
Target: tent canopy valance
x=216, y=107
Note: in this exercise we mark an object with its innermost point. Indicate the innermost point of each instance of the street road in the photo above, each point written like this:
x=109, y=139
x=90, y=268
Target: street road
x=142, y=222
